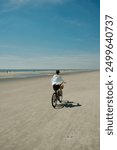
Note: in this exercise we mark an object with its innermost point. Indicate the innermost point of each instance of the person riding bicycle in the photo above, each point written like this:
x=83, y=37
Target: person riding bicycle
x=57, y=81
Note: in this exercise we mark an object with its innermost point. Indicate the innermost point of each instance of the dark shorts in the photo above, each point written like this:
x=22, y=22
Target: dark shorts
x=56, y=87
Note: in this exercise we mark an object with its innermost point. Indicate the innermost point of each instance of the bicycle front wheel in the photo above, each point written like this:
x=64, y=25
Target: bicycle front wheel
x=54, y=100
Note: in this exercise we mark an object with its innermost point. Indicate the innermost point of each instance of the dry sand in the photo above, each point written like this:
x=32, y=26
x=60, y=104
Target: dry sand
x=28, y=121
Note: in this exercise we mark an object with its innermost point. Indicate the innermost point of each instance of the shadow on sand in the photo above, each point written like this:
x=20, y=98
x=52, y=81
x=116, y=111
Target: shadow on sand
x=71, y=104
x=68, y=104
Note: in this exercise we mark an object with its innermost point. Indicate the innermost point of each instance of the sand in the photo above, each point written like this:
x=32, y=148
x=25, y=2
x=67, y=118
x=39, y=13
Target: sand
x=29, y=122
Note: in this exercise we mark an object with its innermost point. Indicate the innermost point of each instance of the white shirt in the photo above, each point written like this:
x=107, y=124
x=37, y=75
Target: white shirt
x=57, y=79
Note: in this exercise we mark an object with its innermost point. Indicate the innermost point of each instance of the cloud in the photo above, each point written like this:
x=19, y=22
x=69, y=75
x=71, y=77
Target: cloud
x=9, y=5
x=17, y=2
x=7, y=46
x=70, y=21
x=73, y=22
x=82, y=61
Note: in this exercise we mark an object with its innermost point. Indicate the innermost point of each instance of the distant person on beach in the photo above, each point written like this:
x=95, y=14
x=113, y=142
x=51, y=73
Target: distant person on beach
x=57, y=81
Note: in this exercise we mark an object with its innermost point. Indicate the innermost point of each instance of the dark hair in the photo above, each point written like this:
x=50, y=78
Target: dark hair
x=57, y=71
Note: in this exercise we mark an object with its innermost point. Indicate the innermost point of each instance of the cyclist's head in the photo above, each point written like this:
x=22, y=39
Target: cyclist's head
x=57, y=71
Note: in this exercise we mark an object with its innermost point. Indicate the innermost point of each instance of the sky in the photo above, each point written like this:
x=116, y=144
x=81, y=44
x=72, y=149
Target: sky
x=49, y=34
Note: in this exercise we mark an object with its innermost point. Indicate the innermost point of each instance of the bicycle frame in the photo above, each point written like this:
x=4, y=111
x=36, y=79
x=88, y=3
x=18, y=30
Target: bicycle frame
x=57, y=96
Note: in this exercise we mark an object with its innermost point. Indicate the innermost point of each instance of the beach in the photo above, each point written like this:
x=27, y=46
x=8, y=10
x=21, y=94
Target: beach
x=29, y=122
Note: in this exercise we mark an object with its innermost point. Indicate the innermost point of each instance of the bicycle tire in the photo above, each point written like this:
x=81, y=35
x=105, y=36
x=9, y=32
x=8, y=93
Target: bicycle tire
x=54, y=100
x=60, y=94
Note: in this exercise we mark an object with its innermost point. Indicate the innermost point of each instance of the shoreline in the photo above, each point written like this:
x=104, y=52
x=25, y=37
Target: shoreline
x=32, y=75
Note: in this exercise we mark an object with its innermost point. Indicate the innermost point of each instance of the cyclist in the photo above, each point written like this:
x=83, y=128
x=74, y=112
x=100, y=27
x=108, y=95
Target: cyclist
x=57, y=81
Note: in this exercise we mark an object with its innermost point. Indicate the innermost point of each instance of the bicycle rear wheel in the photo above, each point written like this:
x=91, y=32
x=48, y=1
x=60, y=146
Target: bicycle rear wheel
x=60, y=94
x=54, y=100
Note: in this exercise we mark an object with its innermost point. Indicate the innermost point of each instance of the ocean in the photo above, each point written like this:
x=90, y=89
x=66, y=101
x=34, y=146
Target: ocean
x=29, y=73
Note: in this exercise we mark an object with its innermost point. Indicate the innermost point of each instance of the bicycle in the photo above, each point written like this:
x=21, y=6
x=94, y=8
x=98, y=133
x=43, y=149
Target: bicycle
x=57, y=96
